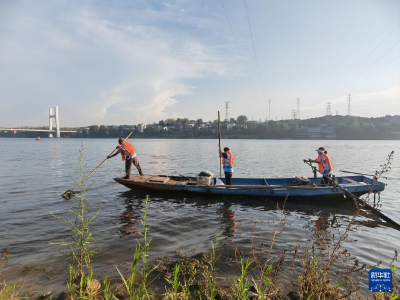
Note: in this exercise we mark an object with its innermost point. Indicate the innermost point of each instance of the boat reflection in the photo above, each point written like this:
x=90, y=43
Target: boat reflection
x=328, y=213
x=131, y=215
x=227, y=219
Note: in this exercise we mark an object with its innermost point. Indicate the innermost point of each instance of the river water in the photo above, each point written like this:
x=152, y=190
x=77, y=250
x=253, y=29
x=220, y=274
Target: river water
x=34, y=174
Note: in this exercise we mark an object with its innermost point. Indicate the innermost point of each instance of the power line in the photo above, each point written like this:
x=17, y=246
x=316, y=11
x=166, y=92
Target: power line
x=254, y=49
x=334, y=87
x=298, y=107
x=390, y=62
x=373, y=64
x=379, y=79
x=370, y=55
x=237, y=47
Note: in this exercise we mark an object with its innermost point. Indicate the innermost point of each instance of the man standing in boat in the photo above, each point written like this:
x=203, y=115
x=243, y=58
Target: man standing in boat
x=324, y=163
x=128, y=154
x=228, y=161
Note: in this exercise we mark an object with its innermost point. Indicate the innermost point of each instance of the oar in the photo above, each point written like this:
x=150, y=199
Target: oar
x=219, y=145
x=70, y=193
x=360, y=202
x=356, y=173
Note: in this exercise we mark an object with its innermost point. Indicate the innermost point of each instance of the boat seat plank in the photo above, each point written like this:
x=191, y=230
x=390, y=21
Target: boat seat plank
x=138, y=178
x=158, y=179
x=350, y=180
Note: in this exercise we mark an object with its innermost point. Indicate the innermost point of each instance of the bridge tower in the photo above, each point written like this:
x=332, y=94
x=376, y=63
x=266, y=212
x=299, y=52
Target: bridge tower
x=55, y=116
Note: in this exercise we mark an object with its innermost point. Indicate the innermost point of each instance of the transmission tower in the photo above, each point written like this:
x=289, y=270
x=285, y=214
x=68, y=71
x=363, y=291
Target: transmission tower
x=294, y=114
x=227, y=111
x=348, y=107
x=328, y=109
x=298, y=107
x=269, y=110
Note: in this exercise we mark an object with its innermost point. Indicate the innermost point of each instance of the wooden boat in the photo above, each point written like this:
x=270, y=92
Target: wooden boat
x=278, y=188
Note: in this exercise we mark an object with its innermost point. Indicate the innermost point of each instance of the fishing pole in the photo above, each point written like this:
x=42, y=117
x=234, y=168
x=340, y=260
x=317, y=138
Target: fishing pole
x=354, y=197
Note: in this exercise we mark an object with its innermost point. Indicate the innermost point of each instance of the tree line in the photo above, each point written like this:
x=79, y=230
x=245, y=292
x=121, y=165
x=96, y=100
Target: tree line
x=346, y=127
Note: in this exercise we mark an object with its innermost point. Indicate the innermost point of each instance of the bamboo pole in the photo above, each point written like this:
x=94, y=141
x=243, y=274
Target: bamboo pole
x=358, y=200
x=69, y=193
x=219, y=146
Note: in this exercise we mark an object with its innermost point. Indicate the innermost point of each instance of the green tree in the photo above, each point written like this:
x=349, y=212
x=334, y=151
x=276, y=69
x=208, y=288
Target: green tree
x=170, y=121
x=242, y=119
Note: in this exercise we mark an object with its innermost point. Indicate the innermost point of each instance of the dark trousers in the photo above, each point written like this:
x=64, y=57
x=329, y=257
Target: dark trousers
x=128, y=166
x=325, y=179
x=228, y=178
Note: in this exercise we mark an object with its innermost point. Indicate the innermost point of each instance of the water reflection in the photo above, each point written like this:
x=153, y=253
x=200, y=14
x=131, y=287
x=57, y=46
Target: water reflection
x=131, y=215
x=323, y=223
x=227, y=219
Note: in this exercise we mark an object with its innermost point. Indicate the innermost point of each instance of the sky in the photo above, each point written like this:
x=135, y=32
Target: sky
x=130, y=62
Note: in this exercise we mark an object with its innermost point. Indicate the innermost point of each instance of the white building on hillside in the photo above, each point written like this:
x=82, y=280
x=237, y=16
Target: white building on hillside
x=141, y=128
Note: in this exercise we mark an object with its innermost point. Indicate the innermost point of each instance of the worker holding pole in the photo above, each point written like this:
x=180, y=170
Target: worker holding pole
x=128, y=154
x=228, y=161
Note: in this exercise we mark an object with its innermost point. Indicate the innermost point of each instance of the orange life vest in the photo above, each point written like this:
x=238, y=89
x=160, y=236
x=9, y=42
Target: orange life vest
x=231, y=161
x=126, y=146
x=328, y=161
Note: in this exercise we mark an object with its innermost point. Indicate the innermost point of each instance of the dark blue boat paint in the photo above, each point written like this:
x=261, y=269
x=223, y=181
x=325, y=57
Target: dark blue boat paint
x=278, y=188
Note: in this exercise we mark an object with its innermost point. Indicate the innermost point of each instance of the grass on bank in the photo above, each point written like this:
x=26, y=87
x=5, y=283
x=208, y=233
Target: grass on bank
x=82, y=244
x=10, y=291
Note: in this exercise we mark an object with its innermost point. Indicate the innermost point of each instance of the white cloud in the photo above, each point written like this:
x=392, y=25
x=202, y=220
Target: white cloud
x=142, y=61
x=137, y=70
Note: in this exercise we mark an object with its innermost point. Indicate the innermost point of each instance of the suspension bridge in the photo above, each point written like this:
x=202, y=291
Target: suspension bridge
x=38, y=125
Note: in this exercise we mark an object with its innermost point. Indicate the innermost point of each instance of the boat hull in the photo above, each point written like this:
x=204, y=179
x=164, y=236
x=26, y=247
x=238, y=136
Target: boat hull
x=273, y=188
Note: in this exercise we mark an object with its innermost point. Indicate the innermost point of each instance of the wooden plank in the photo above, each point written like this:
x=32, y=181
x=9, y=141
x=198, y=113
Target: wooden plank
x=350, y=180
x=157, y=179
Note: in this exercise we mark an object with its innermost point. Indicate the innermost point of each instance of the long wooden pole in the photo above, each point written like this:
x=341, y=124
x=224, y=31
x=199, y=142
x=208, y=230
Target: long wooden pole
x=360, y=202
x=219, y=145
x=356, y=173
x=69, y=193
